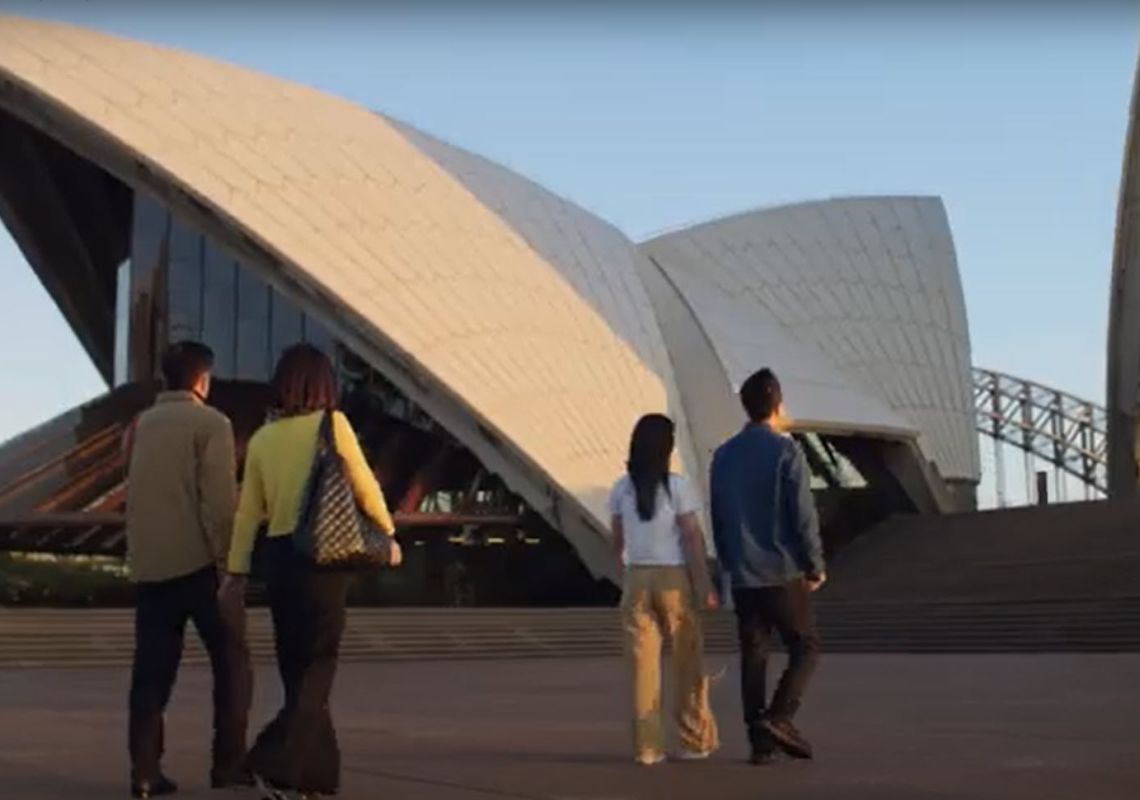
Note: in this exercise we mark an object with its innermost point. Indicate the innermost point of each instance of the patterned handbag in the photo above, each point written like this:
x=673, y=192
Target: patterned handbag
x=331, y=532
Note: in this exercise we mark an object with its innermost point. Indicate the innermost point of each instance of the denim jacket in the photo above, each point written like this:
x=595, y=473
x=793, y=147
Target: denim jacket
x=763, y=515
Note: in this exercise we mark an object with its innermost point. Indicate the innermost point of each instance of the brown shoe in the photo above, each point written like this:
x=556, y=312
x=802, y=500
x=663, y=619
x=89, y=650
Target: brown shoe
x=788, y=738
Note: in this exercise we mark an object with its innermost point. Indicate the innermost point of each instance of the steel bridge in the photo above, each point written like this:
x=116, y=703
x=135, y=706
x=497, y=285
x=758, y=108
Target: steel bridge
x=1048, y=426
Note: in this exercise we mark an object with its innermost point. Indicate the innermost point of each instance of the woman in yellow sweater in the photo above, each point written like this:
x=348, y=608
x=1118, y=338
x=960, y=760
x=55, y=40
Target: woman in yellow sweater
x=298, y=750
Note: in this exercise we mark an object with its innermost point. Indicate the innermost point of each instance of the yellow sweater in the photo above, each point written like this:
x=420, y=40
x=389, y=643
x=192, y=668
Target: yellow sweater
x=277, y=465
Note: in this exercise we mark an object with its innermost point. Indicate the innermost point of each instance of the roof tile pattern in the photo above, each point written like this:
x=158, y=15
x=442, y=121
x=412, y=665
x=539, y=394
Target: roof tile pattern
x=819, y=394
x=559, y=361
x=598, y=261
x=870, y=282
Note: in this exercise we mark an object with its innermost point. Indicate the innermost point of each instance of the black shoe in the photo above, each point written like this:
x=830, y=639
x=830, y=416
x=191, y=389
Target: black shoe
x=764, y=750
x=762, y=757
x=271, y=791
x=231, y=779
x=157, y=787
x=788, y=738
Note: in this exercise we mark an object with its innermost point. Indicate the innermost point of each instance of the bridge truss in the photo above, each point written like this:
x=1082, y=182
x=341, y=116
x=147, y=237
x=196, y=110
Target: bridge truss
x=1047, y=425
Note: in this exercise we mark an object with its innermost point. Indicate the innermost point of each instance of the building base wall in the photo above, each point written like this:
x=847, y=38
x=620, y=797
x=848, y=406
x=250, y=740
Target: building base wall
x=963, y=496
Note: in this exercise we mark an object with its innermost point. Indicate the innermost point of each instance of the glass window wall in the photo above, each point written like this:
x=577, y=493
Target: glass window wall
x=219, y=309
x=149, y=252
x=184, y=284
x=287, y=326
x=122, y=323
x=253, y=321
x=178, y=284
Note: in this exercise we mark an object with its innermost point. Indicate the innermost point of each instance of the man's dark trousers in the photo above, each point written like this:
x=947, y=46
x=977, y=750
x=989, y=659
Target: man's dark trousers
x=788, y=610
x=161, y=612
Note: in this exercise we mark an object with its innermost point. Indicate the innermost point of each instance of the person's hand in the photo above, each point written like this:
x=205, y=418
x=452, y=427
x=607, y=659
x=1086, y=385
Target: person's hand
x=816, y=582
x=232, y=590
x=711, y=601
x=395, y=555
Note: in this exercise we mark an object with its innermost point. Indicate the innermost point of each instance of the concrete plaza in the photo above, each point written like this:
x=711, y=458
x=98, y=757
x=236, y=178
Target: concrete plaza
x=913, y=727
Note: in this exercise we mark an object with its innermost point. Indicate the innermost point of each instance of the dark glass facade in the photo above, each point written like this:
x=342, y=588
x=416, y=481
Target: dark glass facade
x=182, y=285
x=150, y=238
x=185, y=282
x=122, y=323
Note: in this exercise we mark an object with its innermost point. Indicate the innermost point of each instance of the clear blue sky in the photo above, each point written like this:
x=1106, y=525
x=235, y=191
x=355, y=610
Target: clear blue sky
x=656, y=118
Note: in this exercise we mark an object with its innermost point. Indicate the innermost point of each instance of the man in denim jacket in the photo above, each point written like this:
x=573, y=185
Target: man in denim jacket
x=767, y=537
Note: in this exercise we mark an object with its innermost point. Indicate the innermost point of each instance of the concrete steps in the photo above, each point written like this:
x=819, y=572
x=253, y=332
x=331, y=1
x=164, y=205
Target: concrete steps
x=59, y=638
x=1061, y=578
x=1076, y=550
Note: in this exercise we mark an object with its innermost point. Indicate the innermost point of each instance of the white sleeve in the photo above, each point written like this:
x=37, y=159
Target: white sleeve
x=615, y=497
x=685, y=499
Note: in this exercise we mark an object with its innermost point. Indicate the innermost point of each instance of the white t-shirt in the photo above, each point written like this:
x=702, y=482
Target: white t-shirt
x=658, y=541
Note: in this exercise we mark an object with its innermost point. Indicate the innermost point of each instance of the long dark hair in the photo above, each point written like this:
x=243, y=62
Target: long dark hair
x=650, y=448
x=303, y=382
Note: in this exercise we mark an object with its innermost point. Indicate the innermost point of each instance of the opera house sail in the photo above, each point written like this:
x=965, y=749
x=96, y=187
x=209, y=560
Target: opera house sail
x=1123, y=373
x=495, y=343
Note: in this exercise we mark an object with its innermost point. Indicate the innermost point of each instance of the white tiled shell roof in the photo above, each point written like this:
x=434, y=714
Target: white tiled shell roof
x=529, y=321
x=598, y=261
x=871, y=285
x=525, y=308
x=1123, y=370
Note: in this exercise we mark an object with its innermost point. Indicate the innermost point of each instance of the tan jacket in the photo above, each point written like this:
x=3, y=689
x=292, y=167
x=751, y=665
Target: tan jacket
x=181, y=489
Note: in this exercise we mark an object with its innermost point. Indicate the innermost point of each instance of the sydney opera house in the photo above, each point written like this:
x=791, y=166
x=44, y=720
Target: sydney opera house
x=495, y=342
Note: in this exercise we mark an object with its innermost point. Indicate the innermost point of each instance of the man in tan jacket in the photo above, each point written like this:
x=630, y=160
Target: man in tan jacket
x=181, y=490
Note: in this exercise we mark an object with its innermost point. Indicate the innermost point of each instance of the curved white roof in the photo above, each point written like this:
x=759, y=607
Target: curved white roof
x=718, y=339
x=515, y=319
x=534, y=331
x=1123, y=394
x=867, y=288
x=598, y=261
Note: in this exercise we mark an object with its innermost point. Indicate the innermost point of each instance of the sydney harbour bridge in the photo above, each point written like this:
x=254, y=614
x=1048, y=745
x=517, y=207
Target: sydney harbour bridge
x=1052, y=429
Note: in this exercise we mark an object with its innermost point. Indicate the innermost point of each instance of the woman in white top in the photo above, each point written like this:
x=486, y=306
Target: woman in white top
x=658, y=536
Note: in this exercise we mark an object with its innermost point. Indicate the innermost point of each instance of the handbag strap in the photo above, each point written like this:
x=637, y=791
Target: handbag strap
x=325, y=433
x=324, y=446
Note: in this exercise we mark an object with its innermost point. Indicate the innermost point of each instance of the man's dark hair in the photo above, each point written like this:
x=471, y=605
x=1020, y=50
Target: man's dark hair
x=761, y=395
x=184, y=363
x=303, y=382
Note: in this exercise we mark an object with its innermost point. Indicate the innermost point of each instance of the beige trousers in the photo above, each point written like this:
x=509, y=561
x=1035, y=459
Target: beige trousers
x=657, y=605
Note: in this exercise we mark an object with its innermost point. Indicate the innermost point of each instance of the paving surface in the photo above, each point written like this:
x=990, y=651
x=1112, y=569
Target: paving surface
x=913, y=727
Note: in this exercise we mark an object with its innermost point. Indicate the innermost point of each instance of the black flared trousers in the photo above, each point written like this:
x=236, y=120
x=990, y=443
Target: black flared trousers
x=298, y=749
